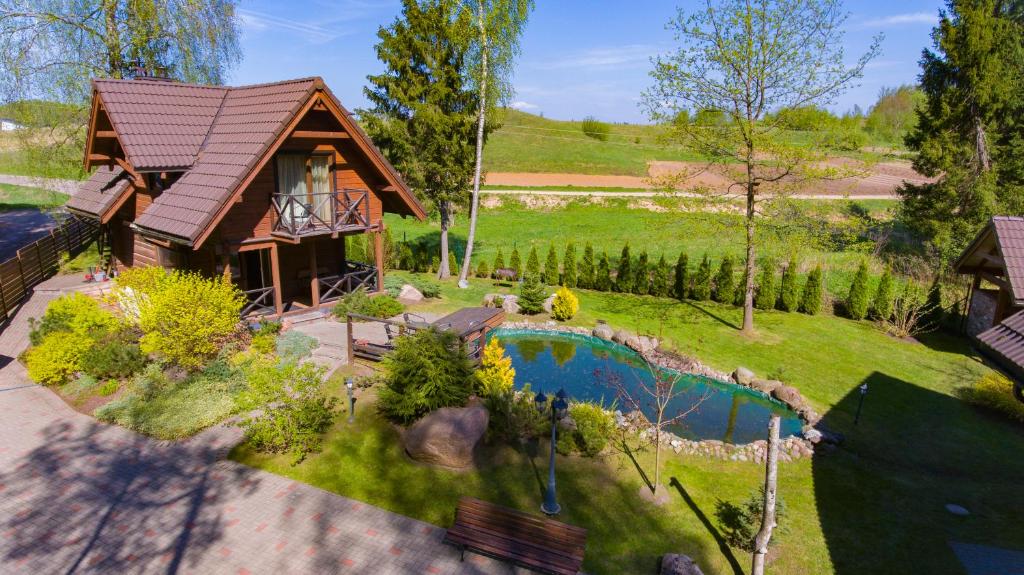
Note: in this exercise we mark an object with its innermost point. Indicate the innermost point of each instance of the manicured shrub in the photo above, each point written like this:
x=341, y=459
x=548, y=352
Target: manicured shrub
x=994, y=391
x=725, y=283
x=515, y=264
x=496, y=375
x=642, y=275
x=287, y=408
x=57, y=357
x=531, y=295
x=513, y=416
x=857, y=301
x=681, y=279
x=603, y=277
x=565, y=304
x=740, y=297
x=384, y=306
x=294, y=345
x=268, y=327
x=406, y=259
x=74, y=312
x=586, y=271
x=391, y=254
x=813, y=294
x=264, y=342
x=427, y=370
x=532, y=264
x=789, y=298
x=885, y=295
x=453, y=264
x=428, y=287
x=482, y=271
x=594, y=427
x=569, y=266
x=702, y=281
x=766, y=291
x=115, y=356
x=360, y=302
x=551, y=267
x=595, y=128
x=624, y=276
x=740, y=523
x=660, y=283
x=499, y=260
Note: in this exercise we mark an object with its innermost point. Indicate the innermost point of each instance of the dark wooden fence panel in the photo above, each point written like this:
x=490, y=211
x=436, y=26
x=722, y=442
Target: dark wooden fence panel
x=40, y=260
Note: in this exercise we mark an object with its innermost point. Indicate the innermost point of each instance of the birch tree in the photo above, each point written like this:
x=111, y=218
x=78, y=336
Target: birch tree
x=744, y=60
x=771, y=477
x=499, y=25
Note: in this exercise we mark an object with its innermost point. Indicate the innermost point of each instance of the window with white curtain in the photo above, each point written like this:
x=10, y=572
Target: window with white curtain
x=307, y=178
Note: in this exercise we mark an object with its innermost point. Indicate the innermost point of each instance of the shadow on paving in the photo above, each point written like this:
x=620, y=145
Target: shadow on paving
x=99, y=498
x=881, y=496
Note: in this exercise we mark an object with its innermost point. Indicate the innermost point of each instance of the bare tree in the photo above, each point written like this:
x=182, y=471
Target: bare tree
x=912, y=313
x=771, y=477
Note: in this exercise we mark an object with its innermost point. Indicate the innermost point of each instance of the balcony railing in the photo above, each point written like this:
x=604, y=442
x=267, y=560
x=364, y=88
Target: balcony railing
x=357, y=275
x=321, y=213
x=259, y=301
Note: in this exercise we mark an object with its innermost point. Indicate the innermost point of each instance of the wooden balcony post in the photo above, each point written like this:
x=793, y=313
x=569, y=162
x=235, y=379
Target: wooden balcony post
x=275, y=276
x=378, y=254
x=314, y=281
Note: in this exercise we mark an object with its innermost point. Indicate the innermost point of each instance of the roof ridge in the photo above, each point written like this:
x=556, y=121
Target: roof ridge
x=205, y=86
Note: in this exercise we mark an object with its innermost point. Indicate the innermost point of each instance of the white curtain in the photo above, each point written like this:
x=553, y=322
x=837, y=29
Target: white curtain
x=291, y=180
x=320, y=166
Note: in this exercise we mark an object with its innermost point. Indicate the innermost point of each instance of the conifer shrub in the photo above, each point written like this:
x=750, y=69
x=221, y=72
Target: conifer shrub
x=532, y=264
x=515, y=264
x=766, y=289
x=642, y=275
x=594, y=428
x=885, y=295
x=660, y=283
x=681, y=278
x=813, y=294
x=569, y=278
x=933, y=304
x=482, y=271
x=114, y=356
x=499, y=260
x=551, y=267
x=858, y=299
x=586, y=269
x=531, y=295
x=725, y=283
x=624, y=277
x=427, y=370
x=702, y=281
x=603, y=276
x=496, y=375
x=565, y=304
x=789, y=298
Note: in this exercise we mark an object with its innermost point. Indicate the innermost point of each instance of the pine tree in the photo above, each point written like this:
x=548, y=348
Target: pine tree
x=515, y=264
x=766, y=292
x=857, y=301
x=499, y=261
x=531, y=294
x=569, y=279
x=624, y=278
x=532, y=263
x=481, y=269
x=884, y=296
x=642, y=275
x=725, y=282
x=681, y=281
x=702, y=281
x=660, y=285
x=586, y=275
x=603, y=277
x=813, y=294
x=740, y=293
x=789, y=299
x=551, y=267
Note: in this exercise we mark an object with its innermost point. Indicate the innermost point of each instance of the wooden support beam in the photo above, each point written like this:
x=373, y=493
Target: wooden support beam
x=275, y=277
x=105, y=134
x=989, y=277
x=995, y=260
x=314, y=282
x=378, y=254
x=314, y=134
x=100, y=159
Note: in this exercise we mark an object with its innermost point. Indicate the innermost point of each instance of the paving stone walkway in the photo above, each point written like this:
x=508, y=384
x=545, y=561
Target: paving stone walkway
x=79, y=496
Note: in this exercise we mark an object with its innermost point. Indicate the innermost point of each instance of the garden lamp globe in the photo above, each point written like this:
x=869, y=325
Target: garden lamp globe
x=541, y=401
x=560, y=405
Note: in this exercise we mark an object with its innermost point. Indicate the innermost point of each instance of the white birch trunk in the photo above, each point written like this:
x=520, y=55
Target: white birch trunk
x=481, y=117
x=764, y=536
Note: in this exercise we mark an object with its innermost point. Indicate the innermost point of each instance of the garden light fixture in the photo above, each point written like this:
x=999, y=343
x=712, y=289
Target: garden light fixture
x=349, y=388
x=559, y=406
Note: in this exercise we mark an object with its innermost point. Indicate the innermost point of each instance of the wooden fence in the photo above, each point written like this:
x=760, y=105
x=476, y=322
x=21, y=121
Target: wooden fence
x=40, y=260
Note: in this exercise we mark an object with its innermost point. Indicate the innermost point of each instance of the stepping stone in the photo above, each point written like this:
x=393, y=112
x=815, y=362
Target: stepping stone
x=957, y=509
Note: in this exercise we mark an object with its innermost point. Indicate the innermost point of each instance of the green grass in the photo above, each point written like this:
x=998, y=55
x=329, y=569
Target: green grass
x=874, y=506
x=19, y=197
x=565, y=188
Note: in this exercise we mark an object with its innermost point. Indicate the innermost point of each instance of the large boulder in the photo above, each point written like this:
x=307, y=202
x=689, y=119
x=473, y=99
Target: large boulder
x=621, y=336
x=448, y=435
x=642, y=343
x=743, y=376
x=510, y=304
x=410, y=293
x=678, y=564
x=765, y=385
x=603, y=331
x=489, y=299
x=549, y=303
x=788, y=395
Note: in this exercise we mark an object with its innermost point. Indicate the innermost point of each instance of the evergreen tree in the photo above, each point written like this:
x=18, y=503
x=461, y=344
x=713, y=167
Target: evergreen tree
x=702, y=281
x=586, y=276
x=660, y=285
x=603, y=277
x=499, y=261
x=766, y=292
x=681, y=281
x=531, y=294
x=624, y=277
x=551, y=267
x=789, y=300
x=935, y=313
x=482, y=270
x=641, y=275
x=515, y=264
x=884, y=296
x=813, y=294
x=725, y=283
x=532, y=263
x=740, y=292
x=569, y=279
x=857, y=301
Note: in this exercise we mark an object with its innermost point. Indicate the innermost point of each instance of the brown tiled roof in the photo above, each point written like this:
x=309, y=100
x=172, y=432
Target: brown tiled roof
x=248, y=121
x=100, y=192
x=1003, y=237
x=161, y=125
x=1004, y=343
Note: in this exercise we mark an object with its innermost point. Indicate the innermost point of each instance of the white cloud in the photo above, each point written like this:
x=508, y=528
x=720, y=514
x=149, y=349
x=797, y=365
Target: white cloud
x=900, y=19
x=521, y=105
x=254, y=21
x=605, y=57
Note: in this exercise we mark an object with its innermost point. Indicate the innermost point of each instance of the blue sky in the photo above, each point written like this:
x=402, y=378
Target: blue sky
x=579, y=57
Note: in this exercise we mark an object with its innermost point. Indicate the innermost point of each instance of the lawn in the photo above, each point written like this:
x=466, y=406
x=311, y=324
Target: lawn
x=873, y=506
x=19, y=197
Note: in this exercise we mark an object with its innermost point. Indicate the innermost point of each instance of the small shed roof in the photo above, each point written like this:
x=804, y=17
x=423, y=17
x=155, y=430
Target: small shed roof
x=998, y=248
x=1004, y=343
x=468, y=319
x=101, y=193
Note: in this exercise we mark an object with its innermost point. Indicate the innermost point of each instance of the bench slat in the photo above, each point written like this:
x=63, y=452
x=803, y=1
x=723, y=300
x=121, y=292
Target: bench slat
x=574, y=556
x=509, y=553
x=470, y=503
x=522, y=531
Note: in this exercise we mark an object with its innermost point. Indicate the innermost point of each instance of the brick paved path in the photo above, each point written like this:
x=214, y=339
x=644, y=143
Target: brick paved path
x=79, y=496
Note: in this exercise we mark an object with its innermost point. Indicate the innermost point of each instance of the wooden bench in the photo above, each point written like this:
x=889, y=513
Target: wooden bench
x=536, y=543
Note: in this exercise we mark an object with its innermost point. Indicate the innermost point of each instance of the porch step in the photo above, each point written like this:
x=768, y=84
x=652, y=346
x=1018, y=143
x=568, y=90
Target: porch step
x=301, y=318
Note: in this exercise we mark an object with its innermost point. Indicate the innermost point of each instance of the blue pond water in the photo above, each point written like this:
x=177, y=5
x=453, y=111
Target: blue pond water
x=586, y=367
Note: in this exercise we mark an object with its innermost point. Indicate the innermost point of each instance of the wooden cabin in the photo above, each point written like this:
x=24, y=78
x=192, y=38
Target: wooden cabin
x=995, y=259
x=263, y=182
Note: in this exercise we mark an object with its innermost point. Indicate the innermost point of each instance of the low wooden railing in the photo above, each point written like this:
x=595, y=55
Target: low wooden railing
x=358, y=275
x=321, y=213
x=261, y=300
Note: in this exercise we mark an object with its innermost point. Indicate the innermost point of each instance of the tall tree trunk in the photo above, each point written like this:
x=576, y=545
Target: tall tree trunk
x=112, y=39
x=764, y=536
x=443, y=271
x=748, y=290
x=981, y=146
x=481, y=117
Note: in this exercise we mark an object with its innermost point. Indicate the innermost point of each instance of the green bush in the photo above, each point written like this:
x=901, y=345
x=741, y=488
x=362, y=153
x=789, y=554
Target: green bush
x=360, y=302
x=740, y=523
x=499, y=260
x=57, y=357
x=384, y=306
x=429, y=288
x=264, y=342
x=292, y=346
x=289, y=409
x=496, y=375
x=513, y=416
x=741, y=289
x=994, y=391
x=681, y=278
x=108, y=388
x=565, y=305
x=603, y=277
x=642, y=275
x=79, y=387
x=595, y=128
x=268, y=327
x=725, y=282
x=813, y=294
x=857, y=301
x=594, y=427
x=702, y=281
x=766, y=293
x=482, y=271
x=531, y=295
x=885, y=297
x=624, y=276
x=551, y=267
x=660, y=283
x=116, y=356
x=569, y=278
x=789, y=299
x=515, y=264
x=586, y=270
x=74, y=312
x=427, y=370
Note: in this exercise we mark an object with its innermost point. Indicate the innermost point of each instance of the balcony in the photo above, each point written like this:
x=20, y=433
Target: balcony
x=312, y=214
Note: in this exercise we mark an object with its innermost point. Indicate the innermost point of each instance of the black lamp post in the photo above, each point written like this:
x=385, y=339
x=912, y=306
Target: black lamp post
x=351, y=400
x=860, y=404
x=558, y=409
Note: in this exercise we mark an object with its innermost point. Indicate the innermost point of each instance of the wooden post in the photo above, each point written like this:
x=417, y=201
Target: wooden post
x=351, y=341
x=314, y=283
x=768, y=514
x=378, y=254
x=275, y=276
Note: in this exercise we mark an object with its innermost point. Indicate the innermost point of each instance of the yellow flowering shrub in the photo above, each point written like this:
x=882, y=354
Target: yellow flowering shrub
x=566, y=304
x=57, y=357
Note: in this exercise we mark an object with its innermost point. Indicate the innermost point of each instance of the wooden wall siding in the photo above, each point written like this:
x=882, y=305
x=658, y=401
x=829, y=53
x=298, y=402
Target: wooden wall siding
x=294, y=261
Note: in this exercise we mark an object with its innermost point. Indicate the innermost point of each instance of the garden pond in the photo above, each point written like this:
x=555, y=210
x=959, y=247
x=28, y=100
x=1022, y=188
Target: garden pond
x=592, y=369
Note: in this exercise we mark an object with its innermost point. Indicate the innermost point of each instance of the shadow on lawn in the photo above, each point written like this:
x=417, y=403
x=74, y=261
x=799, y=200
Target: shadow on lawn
x=881, y=495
